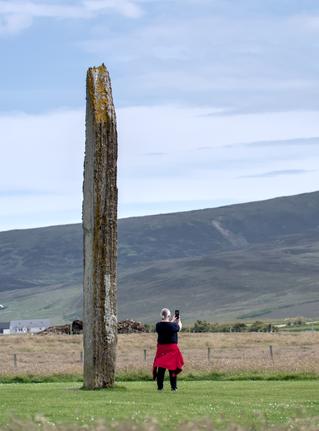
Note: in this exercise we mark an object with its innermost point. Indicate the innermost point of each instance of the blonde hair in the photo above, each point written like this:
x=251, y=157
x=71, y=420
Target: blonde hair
x=165, y=313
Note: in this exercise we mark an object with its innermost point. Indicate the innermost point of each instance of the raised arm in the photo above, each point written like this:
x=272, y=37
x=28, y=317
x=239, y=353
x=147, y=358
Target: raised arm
x=178, y=322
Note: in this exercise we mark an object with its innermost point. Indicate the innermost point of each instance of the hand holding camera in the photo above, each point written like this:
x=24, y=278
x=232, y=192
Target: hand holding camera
x=177, y=319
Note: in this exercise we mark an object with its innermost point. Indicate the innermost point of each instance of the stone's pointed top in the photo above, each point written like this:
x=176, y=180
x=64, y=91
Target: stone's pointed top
x=98, y=69
x=99, y=93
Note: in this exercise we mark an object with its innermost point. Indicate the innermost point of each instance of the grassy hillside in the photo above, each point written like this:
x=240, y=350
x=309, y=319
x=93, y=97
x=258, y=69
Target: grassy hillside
x=241, y=261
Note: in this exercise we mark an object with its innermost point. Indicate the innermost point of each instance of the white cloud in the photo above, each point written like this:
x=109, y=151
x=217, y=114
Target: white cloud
x=41, y=152
x=160, y=165
x=125, y=7
x=231, y=58
x=17, y=15
x=184, y=173
x=14, y=23
x=309, y=23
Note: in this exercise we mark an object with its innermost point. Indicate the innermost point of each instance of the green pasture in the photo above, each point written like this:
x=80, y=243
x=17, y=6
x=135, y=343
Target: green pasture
x=250, y=403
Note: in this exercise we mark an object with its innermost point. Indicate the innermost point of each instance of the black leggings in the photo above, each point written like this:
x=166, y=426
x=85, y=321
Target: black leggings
x=160, y=378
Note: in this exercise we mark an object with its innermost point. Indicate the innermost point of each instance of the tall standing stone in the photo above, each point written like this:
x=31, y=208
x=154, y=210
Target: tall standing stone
x=100, y=232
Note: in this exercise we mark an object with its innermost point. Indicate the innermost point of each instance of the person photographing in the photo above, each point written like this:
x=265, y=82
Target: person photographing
x=168, y=356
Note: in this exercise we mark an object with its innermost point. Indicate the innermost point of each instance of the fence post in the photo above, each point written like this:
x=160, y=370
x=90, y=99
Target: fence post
x=271, y=353
x=81, y=356
x=15, y=360
x=144, y=355
x=208, y=354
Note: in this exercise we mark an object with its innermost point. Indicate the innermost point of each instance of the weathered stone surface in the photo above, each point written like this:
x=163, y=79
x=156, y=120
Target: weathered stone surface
x=100, y=232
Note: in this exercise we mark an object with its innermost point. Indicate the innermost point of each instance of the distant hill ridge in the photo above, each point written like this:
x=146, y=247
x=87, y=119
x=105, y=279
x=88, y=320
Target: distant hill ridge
x=243, y=260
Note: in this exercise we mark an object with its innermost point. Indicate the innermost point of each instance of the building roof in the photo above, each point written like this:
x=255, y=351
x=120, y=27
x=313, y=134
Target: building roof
x=4, y=325
x=35, y=323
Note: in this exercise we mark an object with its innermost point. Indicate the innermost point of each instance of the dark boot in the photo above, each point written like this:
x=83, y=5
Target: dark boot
x=160, y=378
x=173, y=380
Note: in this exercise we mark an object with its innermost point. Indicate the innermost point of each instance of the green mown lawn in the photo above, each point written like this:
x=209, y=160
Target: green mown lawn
x=244, y=402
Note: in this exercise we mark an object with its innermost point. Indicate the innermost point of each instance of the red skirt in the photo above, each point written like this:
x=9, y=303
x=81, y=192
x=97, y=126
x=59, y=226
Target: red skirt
x=168, y=356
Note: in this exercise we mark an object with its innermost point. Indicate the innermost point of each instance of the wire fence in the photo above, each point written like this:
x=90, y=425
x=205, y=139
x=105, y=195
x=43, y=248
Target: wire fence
x=301, y=358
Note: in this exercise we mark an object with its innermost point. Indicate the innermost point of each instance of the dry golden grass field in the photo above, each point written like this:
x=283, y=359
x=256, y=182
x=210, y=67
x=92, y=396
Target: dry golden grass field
x=51, y=354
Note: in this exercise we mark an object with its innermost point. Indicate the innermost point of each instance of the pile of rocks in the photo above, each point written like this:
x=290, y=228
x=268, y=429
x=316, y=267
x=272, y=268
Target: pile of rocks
x=60, y=329
x=130, y=326
x=76, y=327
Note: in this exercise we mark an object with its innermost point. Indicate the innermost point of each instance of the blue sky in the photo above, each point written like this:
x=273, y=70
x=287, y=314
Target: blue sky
x=217, y=102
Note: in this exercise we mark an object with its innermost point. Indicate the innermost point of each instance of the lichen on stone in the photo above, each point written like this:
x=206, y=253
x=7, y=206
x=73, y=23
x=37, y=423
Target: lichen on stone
x=100, y=93
x=110, y=318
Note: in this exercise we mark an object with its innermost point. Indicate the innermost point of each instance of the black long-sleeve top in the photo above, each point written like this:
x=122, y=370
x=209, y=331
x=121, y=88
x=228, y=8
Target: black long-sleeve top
x=167, y=332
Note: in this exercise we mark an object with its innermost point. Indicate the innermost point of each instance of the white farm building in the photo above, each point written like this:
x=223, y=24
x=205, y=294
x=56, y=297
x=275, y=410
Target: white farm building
x=28, y=326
